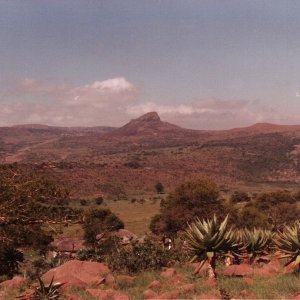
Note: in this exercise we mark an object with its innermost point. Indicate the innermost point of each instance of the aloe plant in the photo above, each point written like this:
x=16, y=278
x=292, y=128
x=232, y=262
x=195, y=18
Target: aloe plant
x=44, y=292
x=207, y=240
x=256, y=242
x=288, y=243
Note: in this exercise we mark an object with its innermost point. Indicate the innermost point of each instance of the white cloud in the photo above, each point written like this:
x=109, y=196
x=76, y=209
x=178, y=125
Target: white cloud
x=113, y=102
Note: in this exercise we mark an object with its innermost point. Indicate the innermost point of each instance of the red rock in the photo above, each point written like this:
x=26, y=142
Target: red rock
x=149, y=294
x=238, y=270
x=126, y=279
x=77, y=273
x=273, y=267
x=13, y=284
x=178, y=279
x=210, y=282
x=245, y=294
x=71, y=282
x=72, y=297
x=297, y=297
x=170, y=295
x=189, y=287
x=248, y=280
x=2, y=295
x=203, y=270
x=111, y=281
x=168, y=273
x=120, y=296
x=97, y=293
x=156, y=285
x=25, y=295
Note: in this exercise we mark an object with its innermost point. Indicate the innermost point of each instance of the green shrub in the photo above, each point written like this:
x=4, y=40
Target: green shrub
x=240, y=197
x=142, y=256
x=99, y=200
x=10, y=258
x=98, y=221
x=199, y=198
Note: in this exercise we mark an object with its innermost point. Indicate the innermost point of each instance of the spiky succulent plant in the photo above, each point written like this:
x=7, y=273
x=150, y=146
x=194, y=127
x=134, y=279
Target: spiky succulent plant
x=288, y=243
x=256, y=242
x=47, y=292
x=207, y=240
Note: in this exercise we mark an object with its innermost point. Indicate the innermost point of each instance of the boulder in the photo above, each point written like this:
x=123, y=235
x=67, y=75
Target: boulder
x=77, y=274
x=273, y=267
x=125, y=235
x=202, y=272
x=296, y=297
x=168, y=273
x=72, y=297
x=170, y=295
x=187, y=288
x=238, y=270
x=210, y=282
x=156, y=285
x=98, y=294
x=111, y=281
x=67, y=244
x=149, y=294
x=120, y=296
x=176, y=280
x=12, y=284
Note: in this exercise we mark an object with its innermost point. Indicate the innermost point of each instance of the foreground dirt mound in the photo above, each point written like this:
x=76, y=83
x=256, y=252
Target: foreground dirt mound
x=77, y=274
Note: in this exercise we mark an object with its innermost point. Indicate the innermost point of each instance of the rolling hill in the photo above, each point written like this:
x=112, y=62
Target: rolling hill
x=129, y=159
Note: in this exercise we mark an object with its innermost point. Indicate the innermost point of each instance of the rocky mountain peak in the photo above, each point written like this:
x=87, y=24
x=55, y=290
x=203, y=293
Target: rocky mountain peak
x=149, y=117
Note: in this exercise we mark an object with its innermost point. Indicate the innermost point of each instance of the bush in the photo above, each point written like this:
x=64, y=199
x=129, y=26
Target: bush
x=142, y=256
x=99, y=200
x=10, y=258
x=192, y=199
x=269, y=210
x=83, y=202
x=240, y=197
x=159, y=187
x=98, y=221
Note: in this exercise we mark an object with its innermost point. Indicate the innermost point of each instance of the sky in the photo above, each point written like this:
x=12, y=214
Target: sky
x=200, y=64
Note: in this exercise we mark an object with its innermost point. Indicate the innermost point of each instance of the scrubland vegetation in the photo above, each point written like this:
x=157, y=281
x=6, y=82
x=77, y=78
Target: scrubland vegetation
x=195, y=222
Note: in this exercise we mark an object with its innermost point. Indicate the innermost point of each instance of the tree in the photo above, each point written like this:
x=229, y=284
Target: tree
x=199, y=198
x=26, y=204
x=97, y=221
x=269, y=210
x=159, y=187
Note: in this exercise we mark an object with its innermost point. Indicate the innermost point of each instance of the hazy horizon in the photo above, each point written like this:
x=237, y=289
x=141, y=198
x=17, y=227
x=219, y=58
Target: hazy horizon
x=199, y=64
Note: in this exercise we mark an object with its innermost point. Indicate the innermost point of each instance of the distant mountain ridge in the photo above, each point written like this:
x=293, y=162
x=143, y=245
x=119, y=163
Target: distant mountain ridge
x=146, y=149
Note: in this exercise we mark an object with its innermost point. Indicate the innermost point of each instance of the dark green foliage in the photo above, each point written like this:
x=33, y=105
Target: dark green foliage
x=26, y=202
x=159, y=187
x=98, y=221
x=142, y=256
x=269, y=210
x=9, y=259
x=192, y=199
x=99, y=200
x=240, y=197
x=100, y=251
x=83, y=202
x=47, y=292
